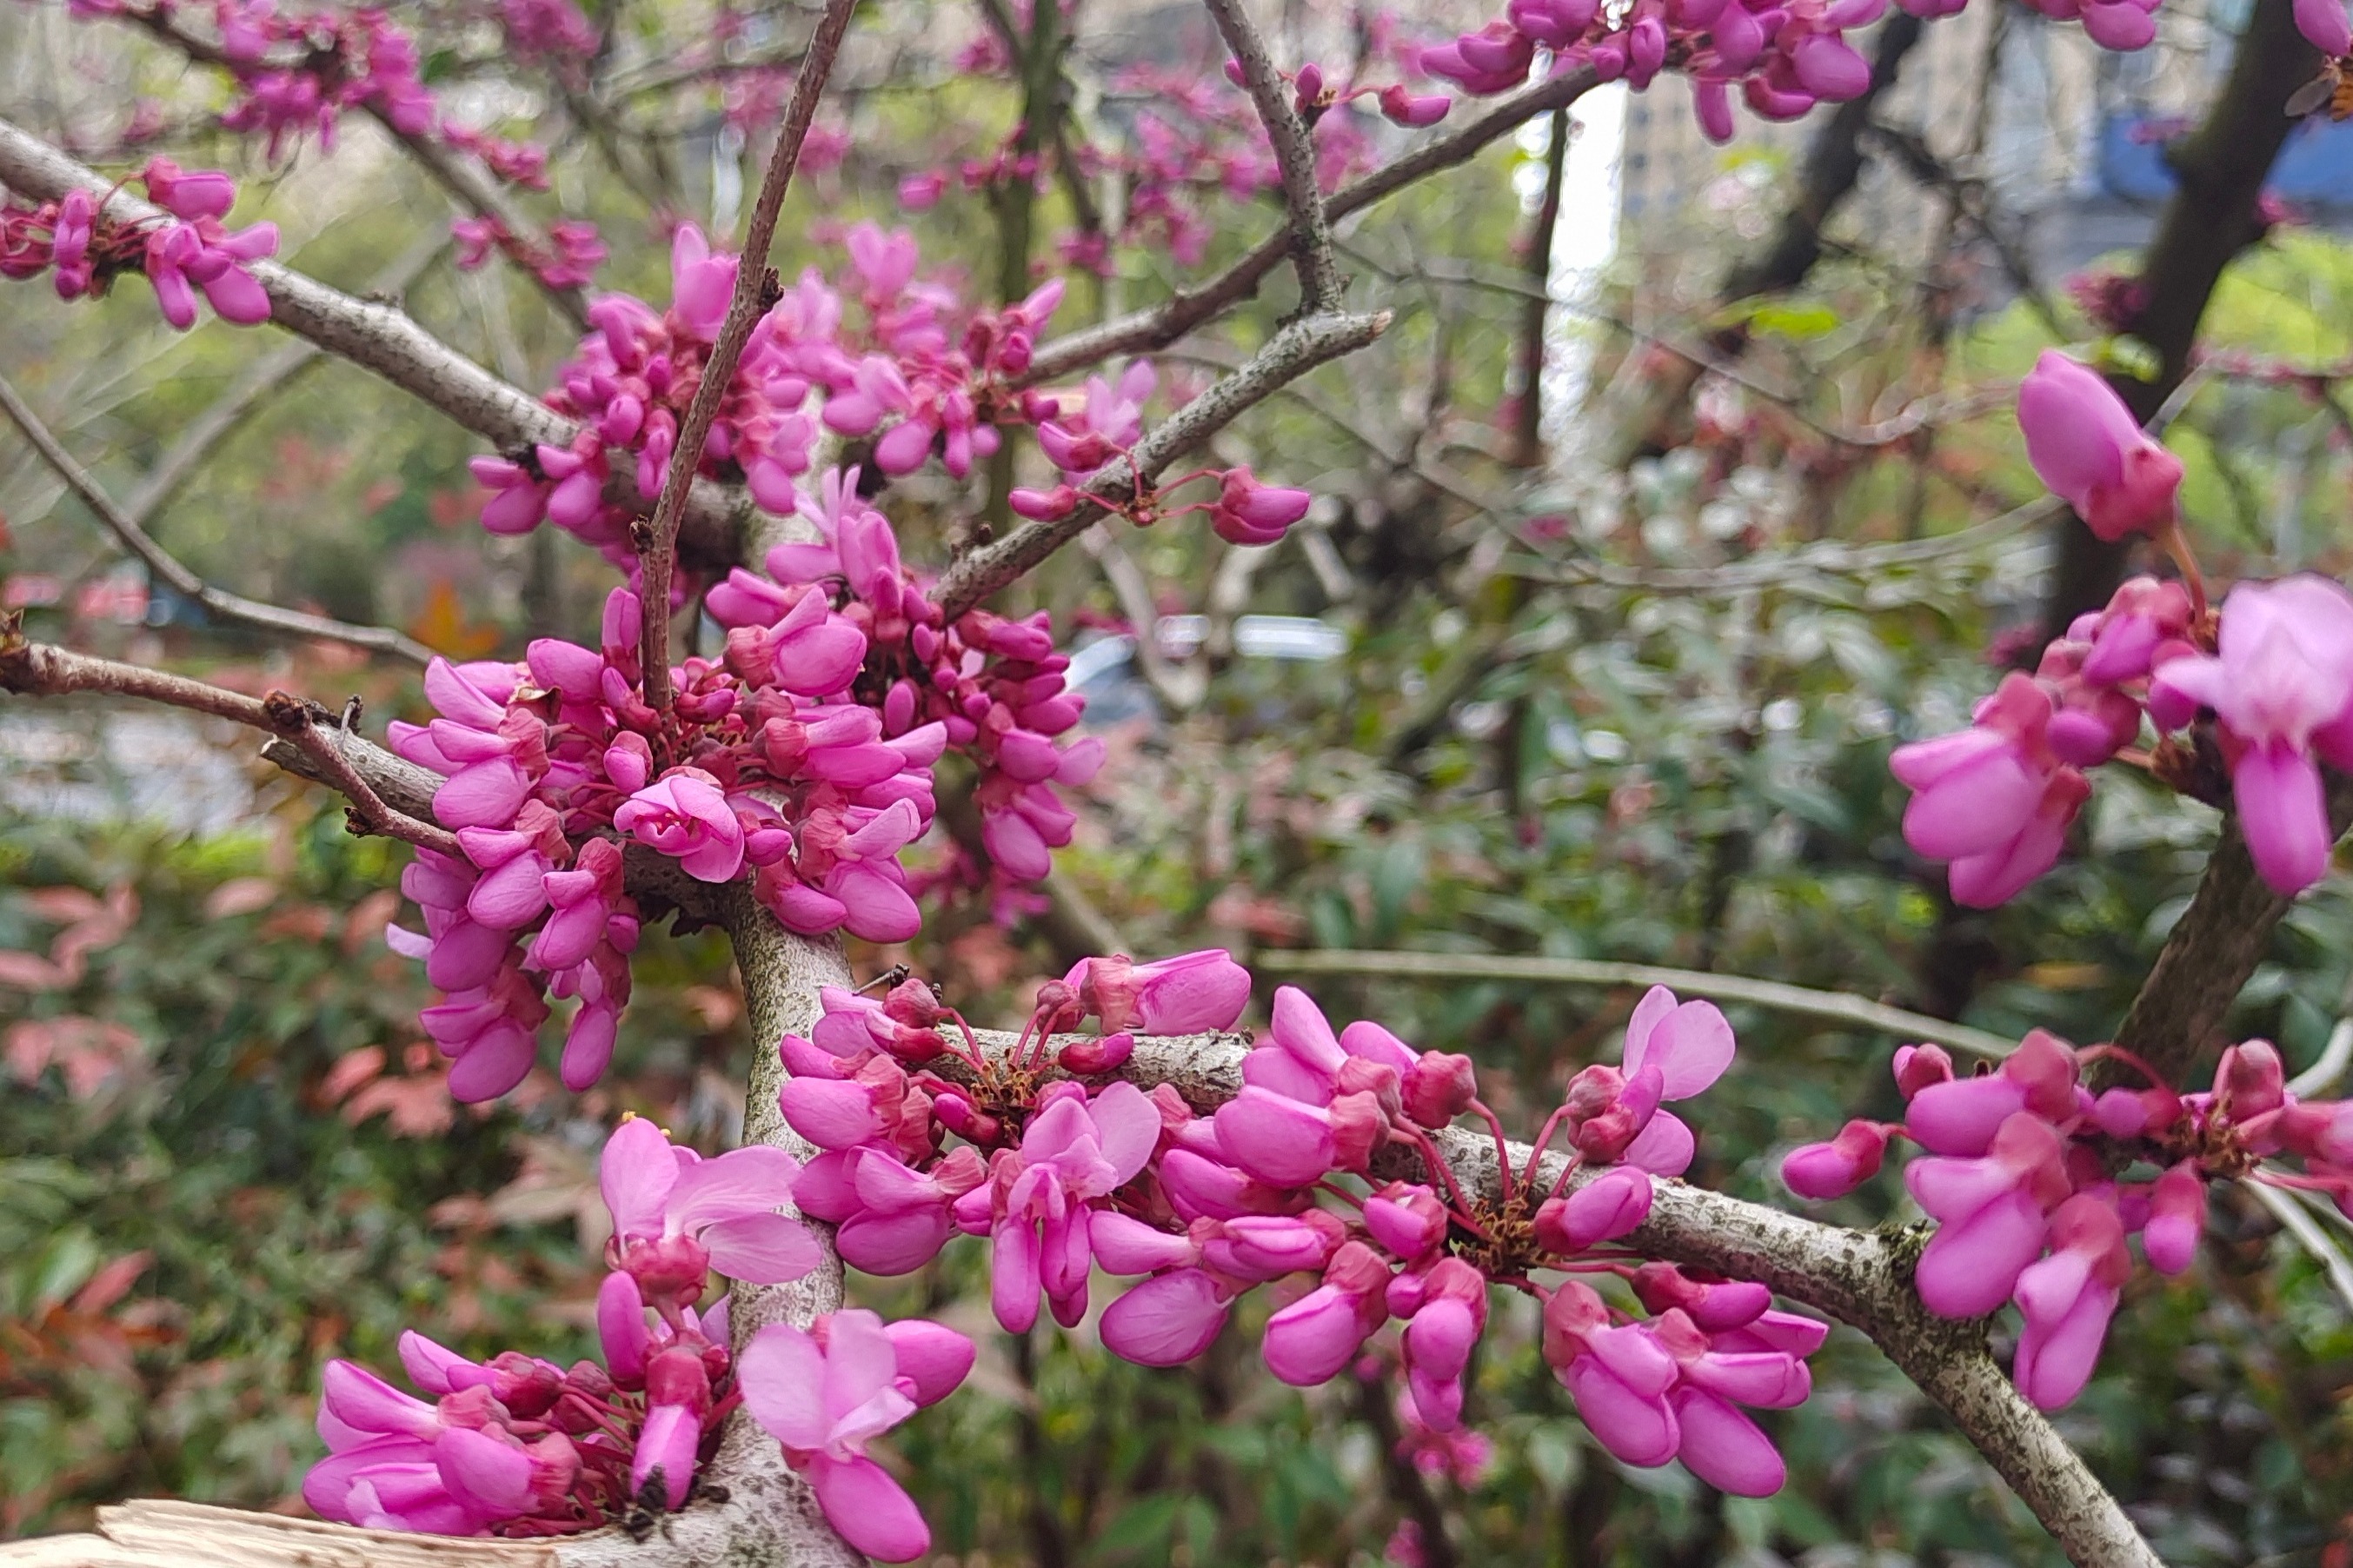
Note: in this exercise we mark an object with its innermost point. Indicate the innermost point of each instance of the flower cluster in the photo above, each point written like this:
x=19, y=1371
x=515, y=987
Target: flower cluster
x=518, y=1446
x=552, y=763
x=298, y=73
x=187, y=250
x=1784, y=58
x=633, y=378
x=1063, y=1179
x=2270, y=677
x=2037, y=1182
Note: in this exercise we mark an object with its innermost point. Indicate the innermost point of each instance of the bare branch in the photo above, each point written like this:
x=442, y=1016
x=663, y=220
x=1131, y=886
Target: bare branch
x=1291, y=352
x=42, y=669
x=293, y=718
x=386, y=340
x=1771, y=995
x=457, y=173
x=1187, y=308
x=166, y=566
x=1320, y=284
x=754, y=295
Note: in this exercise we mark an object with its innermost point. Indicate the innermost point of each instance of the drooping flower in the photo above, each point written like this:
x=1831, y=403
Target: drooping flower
x=2085, y=444
x=826, y=1394
x=2281, y=687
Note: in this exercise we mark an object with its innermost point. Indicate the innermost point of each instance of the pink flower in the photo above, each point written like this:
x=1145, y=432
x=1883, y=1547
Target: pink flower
x=1250, y=513
x=2322, y=24
x=2067, y=1300
x=683, y=814
x=1036, y=1205
x=825, y=1396
x=1991, y=1211
x=1618, y=1376
x=676, y=1214
x=1673, y=1051
x=2281, y=687
x=1834, y=1168
x=1179, y=995
x=1992, y=799
x=1166, y=1321
x=1309, y=1342
x=2086, y=445
x=1438, y=1339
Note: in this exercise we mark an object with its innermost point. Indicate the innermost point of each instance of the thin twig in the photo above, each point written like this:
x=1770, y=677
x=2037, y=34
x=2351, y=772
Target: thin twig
x=292, y=718
x=1164, y=322
x=165, y=565
x=1289, y=353
x=44, y=669
x=1771, y=995
x=1320, y=284
x=752, y=299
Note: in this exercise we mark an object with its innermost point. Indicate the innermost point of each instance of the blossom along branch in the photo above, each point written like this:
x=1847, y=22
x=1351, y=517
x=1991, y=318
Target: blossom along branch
x=1772, y=995
x=755, y=293
x=1291, y=353
x=456, y=172
x=388, y=342
x=1161, y=324
x=38, y=670
x=1320, y=284
x=168, y=568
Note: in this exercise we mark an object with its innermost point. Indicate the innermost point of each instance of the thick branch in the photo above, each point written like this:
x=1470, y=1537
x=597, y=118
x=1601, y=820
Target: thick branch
x=385, y=339
x=2210, y=954
x=1289, y=353
x=752, y=296
x=770, y=1519
x=1861, y=1279
x=1187, y=308
x=167, y=567
x=1320, y=285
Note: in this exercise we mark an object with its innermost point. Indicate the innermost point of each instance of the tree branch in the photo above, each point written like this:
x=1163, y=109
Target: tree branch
x=1187, y=308
x=1320, y=284
x=2209, y=955
x=461, y=176
x=163, y=564
x=1862, y=1278
x=386, y=340
x=1291, y=352
x=42, y=670
x=753, y=294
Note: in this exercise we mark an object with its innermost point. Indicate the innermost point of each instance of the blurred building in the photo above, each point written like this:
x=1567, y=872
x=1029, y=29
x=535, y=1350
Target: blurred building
x=2067, y=137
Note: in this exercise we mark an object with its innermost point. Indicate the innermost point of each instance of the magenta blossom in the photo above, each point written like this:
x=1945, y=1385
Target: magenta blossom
x=1179, y=995
x=2281, y=687
x=675, y=1214
x=684, y=815
x=1993, y=799
x=2086, y=445
x=1035, y=1206
x=826, y=1394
